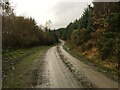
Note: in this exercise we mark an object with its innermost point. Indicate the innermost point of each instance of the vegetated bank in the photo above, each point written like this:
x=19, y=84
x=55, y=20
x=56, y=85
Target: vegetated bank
x=96, y=36
x=24, y=44
x=22, y=68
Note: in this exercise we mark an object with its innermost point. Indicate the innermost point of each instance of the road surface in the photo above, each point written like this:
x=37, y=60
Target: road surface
x=57, y=75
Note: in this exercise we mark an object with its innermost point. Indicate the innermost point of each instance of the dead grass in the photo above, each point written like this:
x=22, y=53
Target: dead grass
x=92, y=58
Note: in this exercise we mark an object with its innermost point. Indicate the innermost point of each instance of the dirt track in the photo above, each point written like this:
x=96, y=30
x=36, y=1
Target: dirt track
x=57, y=75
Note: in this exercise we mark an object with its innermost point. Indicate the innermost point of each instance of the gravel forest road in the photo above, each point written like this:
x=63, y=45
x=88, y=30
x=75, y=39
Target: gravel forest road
x=57, y=74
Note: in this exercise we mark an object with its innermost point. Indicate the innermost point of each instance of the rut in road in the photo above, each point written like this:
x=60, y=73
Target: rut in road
x=98, y=79
x=57, y=75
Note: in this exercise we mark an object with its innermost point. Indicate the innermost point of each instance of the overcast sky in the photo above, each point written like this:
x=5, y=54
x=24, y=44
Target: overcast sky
x=60, y=12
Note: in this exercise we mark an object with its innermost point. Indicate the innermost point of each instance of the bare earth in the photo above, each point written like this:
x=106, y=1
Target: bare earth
x=57, y=75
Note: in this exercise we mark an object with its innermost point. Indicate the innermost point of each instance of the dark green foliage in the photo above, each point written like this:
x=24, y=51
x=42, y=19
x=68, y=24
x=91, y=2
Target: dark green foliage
x=60, y=32
x=70, y=28
x=19, y=32
x=68, y=31
x=113, y=21
x=109, y=41
x=55, y=36
x=106, y=8
x=109, y=45
x=106, y=47
x=84, y=22
x=99, y=28
x=117, y=47
x=84, y=36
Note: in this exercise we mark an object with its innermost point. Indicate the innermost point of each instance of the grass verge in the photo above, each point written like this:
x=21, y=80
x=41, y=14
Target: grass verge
x=96, y=66
x=21, y=67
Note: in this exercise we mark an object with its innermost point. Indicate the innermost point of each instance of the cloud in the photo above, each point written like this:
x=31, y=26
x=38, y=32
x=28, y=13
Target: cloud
x=60, y=13
x=65, y=12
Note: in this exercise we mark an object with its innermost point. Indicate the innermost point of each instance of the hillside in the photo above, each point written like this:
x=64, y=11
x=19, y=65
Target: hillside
x=96, y=35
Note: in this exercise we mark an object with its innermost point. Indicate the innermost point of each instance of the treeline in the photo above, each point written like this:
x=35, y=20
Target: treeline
x=97, y=28
x=21, y=32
